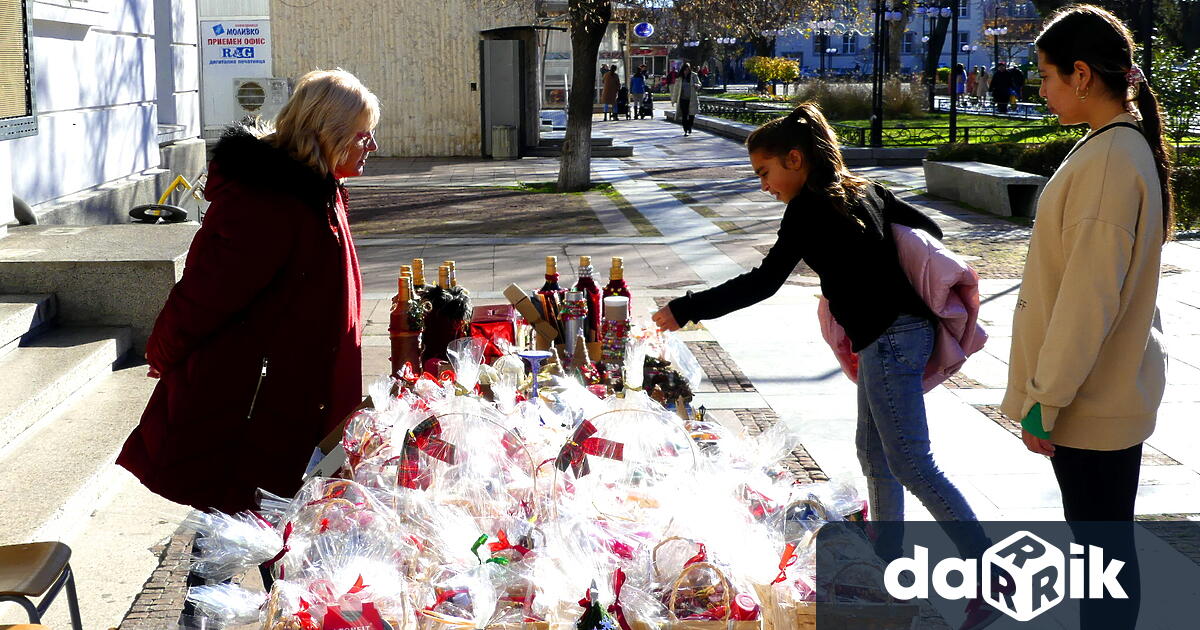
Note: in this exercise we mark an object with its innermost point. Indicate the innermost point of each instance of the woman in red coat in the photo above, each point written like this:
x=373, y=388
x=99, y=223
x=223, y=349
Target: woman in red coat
x=259, y=346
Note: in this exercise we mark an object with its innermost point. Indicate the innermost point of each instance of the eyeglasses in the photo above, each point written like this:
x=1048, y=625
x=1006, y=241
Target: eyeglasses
x=366, y=139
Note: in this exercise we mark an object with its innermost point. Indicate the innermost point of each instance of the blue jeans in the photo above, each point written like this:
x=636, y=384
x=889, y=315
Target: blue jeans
x=893, y=439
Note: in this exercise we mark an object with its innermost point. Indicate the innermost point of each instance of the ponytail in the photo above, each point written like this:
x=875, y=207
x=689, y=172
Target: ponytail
x=806, y=130
x=1152, y=127
x=1098, y=38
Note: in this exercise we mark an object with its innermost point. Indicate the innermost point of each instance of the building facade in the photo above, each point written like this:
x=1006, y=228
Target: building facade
x=114, y=82
x=846, y=46
x=422, y=58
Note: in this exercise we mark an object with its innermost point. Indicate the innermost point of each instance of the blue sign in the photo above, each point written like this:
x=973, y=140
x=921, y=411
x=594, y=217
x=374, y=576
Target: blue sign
x=241, y=52
x=643, y=29
x=218, y=30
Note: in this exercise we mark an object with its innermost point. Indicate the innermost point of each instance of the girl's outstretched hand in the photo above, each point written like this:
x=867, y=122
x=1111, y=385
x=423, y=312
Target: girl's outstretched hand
x=665, y=319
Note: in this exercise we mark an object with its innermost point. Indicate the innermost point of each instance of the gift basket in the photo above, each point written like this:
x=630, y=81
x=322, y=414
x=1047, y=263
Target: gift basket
x=541, y=468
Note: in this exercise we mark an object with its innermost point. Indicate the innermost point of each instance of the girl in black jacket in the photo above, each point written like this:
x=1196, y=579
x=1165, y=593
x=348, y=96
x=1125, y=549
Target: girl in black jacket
x=840, y=224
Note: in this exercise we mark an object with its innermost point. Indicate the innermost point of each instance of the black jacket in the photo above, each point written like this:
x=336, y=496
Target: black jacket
x=858, y=265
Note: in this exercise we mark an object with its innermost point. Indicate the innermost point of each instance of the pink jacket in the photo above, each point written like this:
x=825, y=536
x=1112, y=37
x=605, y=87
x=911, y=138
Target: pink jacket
x=951, y=289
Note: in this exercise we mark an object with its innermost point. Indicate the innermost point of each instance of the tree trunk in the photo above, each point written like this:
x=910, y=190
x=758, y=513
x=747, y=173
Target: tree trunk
x=589, y=21
x=896, y=42
x=933, y=52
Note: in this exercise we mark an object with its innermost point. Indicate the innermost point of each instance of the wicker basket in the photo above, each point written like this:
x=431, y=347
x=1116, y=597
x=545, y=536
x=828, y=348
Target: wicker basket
x=675, y=623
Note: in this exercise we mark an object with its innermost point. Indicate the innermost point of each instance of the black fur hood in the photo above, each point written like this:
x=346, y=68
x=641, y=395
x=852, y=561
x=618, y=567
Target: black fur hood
x=243, y=161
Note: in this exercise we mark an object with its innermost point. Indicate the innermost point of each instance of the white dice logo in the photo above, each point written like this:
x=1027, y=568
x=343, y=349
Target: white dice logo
x=1029, y=576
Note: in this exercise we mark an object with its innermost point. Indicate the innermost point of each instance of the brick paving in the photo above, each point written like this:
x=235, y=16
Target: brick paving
x=159, y=604
x=1150, y=455
x=800, y=464
x=1177, y=530
x=720, y=367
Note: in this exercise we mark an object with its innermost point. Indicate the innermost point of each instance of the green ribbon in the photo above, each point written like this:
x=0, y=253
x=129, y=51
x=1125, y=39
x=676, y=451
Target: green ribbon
x=483, y=538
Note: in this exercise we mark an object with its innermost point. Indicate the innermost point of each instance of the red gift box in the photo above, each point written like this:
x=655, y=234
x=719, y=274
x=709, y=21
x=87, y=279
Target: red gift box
x=493, y=323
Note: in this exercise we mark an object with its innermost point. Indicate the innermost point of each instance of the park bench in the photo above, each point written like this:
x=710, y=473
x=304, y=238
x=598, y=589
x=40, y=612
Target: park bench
x=999, y=190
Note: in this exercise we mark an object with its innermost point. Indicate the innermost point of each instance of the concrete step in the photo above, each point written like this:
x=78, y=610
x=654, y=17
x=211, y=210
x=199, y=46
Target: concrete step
x=556, y=140
x=24, y=315
x=58, y=482
x=44, y=374
x=616, y=150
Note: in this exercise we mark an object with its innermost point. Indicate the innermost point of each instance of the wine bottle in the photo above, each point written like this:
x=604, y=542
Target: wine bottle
x=404, y=327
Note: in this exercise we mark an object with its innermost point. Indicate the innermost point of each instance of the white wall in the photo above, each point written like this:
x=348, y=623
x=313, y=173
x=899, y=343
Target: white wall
x=6, y=207
x=234, y=8
x=176, y=51
x=99, y=90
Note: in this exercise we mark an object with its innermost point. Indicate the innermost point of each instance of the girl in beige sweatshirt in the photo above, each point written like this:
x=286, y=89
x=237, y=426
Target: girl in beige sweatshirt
x=1088, y=366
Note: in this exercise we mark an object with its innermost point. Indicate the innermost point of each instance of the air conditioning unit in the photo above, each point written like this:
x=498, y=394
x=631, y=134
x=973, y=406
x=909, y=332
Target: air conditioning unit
x=262, y=97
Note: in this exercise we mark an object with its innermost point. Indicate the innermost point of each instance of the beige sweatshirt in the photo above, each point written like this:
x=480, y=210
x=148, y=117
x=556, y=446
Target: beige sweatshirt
x=1087, y=340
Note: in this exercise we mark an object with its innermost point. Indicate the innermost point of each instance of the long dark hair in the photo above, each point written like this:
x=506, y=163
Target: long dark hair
x=1096, y=37
x=806, y=130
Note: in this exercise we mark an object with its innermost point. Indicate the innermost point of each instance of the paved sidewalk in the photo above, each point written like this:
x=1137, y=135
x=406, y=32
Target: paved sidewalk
x=700, y=193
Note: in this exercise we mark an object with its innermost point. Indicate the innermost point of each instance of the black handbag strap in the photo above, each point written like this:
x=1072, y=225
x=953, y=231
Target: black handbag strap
x=1100, y=131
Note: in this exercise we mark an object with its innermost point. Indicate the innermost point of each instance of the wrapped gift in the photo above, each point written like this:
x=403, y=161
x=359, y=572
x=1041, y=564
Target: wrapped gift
x=494, y=324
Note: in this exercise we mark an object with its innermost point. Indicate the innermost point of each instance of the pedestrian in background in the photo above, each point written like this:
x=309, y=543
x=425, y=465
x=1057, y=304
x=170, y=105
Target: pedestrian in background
x=685, y=95
x=1088, y=365
x=982, y=84
x=1000, y=87
x=1016, y=82
x=960, y=79
x=608, y=96
x=637, y=89
x=972, y=81
x=258, y=349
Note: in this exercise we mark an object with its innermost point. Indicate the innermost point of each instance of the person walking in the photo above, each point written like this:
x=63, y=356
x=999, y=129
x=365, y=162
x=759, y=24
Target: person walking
x=1088, y=363
x=1016, y=83
x=258, y=349
x=685, y=95
x=982, y=85
x=1000, y=87
x=637, y=89
x=972, y=81
x=840, y=224
x=608, y=95
x=960, y=80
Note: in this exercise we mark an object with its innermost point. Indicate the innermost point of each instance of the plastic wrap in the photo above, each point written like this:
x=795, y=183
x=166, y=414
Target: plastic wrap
x=228, y=604
x=227, y=545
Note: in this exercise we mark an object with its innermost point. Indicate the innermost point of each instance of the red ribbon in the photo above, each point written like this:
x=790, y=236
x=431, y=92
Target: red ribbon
x=616, y=610
x=425, y=437
x=306, y=619
x=621, y=550
x=287, y=533
x=702, y=556
x=497, y=547
x=445, y=596
x=789, y=558
x=574, y=454
x=407, y=373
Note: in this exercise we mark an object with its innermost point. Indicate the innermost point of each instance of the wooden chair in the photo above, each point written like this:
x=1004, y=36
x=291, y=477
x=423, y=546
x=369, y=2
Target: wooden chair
x=37, y=570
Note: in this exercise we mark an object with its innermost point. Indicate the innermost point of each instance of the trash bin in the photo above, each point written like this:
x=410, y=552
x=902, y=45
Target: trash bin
x=504, y=142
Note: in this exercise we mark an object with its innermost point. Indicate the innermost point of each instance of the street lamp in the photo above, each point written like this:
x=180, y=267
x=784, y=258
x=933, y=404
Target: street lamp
x=821, y=29
x=995, y=34
x=967, y=48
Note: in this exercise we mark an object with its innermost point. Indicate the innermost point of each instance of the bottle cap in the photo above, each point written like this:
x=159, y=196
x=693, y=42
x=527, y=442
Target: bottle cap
x=551, y=265
x=585, y=261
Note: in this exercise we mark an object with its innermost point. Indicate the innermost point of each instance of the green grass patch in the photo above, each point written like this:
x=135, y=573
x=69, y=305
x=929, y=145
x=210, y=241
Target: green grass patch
x=639, y=220
x=551, y=188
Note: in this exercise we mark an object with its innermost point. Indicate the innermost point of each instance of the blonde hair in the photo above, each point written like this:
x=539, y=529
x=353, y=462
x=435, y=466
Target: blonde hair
x=319, y=124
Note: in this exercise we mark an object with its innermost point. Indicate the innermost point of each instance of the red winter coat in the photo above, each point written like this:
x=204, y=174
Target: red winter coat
x=260, y=343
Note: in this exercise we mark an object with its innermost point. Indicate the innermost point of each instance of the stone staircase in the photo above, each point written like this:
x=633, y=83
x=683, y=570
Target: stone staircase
x=69, y=395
